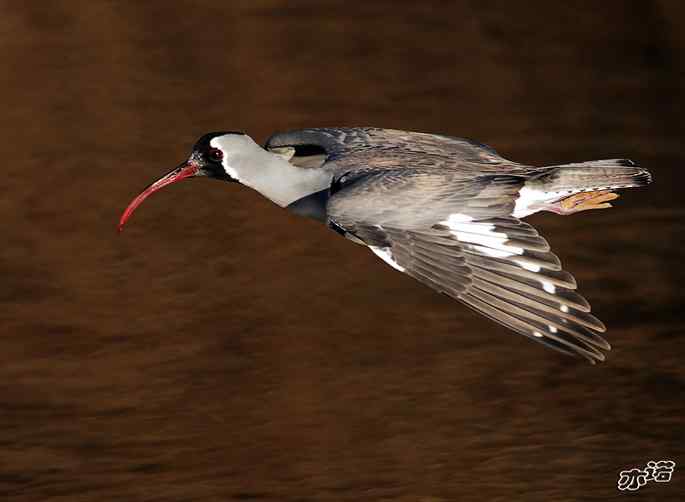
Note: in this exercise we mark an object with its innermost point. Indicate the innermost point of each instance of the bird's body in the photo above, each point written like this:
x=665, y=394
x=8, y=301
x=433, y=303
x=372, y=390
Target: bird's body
x=443, y=210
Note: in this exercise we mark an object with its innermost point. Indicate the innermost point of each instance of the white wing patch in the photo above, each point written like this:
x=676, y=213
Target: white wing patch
x=486, y=240
x=457, y=218
x=549, y=287
x=531, y=266
x=386, y=255
x=482, y=236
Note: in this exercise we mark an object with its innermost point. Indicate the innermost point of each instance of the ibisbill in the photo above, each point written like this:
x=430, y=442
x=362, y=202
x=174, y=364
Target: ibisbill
x=447, y=211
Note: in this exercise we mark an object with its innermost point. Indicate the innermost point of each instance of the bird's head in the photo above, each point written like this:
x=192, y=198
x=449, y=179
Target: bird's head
x=218, y=155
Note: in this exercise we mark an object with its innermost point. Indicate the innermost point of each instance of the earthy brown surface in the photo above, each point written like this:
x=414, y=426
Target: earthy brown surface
x=222, y=349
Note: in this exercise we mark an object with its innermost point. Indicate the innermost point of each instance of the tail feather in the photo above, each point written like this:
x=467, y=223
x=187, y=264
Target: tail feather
x=594, y=175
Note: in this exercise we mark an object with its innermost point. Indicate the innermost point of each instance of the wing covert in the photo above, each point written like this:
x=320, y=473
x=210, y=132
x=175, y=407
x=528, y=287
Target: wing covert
x=417, y=198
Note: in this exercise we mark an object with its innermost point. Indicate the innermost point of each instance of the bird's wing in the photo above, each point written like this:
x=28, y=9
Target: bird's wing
x=502, y=268
x=457, y=236
x=375, y=149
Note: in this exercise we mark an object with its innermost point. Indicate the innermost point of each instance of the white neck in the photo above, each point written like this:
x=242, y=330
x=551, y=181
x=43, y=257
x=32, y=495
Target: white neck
x=269, y=174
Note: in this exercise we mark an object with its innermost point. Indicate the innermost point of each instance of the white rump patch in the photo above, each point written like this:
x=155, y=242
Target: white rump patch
x=481, y=235
x=385, y=255
x=527, y=197
x=532, y=200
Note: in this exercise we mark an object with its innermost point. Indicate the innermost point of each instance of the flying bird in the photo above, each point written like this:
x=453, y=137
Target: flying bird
x=447, y=211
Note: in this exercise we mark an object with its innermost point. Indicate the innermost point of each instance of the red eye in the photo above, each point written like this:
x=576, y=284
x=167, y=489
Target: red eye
x=215, y=155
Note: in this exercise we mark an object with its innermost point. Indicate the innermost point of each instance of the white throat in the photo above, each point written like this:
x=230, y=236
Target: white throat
x=267, y=173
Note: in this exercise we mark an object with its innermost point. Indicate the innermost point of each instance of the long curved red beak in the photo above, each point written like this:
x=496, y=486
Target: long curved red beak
x=185, y=170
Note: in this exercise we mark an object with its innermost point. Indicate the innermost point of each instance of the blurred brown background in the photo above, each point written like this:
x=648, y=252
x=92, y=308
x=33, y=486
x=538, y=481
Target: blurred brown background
x=222, y=349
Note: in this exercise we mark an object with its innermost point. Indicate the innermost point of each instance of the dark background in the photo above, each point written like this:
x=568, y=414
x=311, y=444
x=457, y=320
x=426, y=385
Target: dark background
x=223, y=349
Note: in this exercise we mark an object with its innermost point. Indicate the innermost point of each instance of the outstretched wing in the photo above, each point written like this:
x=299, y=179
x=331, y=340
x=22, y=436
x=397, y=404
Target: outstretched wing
x=502, y=268
x=459, y=238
